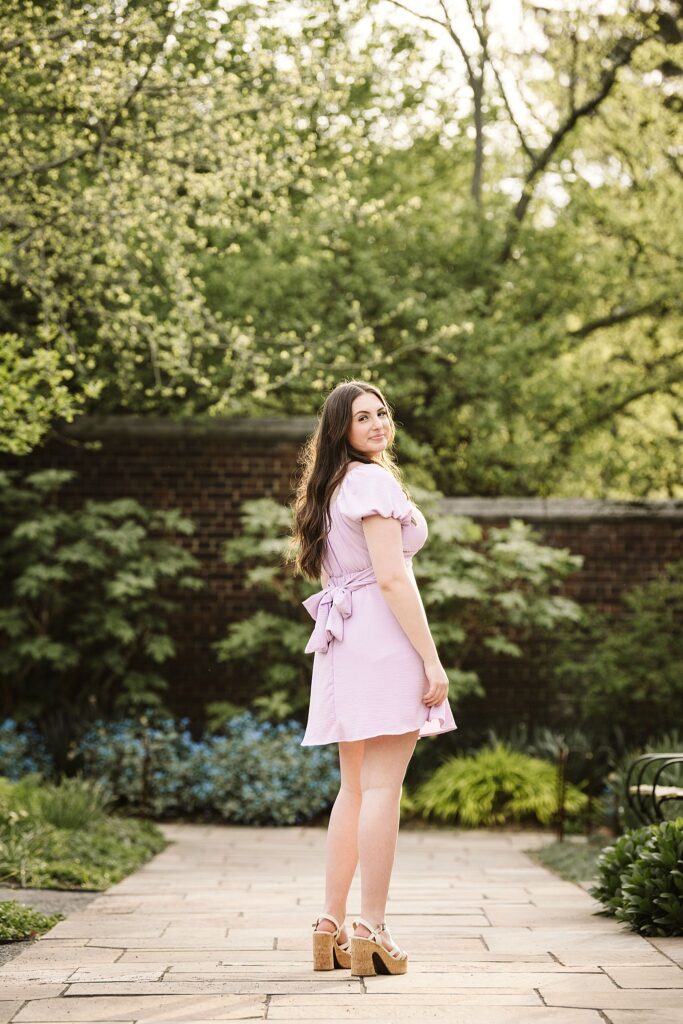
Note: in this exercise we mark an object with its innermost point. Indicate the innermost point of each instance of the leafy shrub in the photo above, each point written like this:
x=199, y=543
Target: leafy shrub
x=612, y=863
x=588, y=762
x=144, y=762
x=258, y=774
x=92, y=855
x=20, y=922
x=494, y=786
x=490, y=587
x=652, y=885
x=254, y=773
x=73, y=803
x=602, y=763
x=268, y=646
x=83, y=617
x=641, y=878
x=22, y=751
x=626, y=670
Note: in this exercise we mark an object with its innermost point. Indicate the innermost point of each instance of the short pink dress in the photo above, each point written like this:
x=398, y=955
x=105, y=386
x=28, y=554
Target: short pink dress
x=368, y=679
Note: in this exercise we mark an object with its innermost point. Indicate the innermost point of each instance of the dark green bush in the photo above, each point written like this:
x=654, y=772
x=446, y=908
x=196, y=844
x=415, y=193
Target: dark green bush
x=652, y=885
x=641, y=878
x=612, y=863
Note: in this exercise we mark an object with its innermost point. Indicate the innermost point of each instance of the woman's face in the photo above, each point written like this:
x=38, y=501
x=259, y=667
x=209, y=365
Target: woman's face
x=370, y=429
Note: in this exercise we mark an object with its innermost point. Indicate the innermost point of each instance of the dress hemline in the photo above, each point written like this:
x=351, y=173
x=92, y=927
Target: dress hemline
x=372, y=735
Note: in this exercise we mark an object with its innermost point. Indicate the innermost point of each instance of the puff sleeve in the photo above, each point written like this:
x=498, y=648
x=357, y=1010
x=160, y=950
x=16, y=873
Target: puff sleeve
x=372, y=490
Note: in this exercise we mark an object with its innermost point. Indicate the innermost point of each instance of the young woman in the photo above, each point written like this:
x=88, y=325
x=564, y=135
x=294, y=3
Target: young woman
x=378, y=684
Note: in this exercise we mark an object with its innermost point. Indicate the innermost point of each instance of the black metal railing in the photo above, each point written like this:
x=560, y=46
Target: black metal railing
x=645, y=798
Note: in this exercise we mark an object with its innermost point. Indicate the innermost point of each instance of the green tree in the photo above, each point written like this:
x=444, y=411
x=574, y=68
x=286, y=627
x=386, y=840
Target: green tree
x=250, y=205
x=135, y=139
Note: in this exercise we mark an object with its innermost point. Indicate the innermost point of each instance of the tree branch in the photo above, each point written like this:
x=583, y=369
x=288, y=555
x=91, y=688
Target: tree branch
x=626, y=49
x=621, y=314
x=12, y=44
x=483, y=41
x=416, y=14
x=448, y=25
x=475, y=79
x=572, y=437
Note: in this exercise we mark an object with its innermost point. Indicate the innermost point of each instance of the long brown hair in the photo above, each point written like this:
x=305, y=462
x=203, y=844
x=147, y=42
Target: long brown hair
x=323, y=462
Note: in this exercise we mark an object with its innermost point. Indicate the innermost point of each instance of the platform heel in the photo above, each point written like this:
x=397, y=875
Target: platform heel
x=328, y=952
x=369, y=956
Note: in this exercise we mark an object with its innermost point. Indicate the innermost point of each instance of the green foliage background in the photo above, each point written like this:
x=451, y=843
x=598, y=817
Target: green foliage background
x=84, y=604
x=626, y=670
x=225, y=209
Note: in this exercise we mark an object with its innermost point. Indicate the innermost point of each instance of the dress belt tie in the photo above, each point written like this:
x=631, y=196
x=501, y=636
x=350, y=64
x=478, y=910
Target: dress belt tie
x=331, y=605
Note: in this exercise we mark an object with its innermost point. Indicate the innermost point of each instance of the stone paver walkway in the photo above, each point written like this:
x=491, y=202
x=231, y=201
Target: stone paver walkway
x=218, y=927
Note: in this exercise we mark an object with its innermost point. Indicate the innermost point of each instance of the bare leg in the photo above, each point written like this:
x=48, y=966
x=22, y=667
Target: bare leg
x=384, y=766
x=342, y=836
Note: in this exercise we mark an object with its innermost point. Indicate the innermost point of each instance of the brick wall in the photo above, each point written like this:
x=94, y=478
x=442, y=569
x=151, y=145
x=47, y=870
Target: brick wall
x=207, y=468
x=623, y=543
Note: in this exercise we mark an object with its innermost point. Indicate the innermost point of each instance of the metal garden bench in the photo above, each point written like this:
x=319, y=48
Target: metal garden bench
x=646, y=798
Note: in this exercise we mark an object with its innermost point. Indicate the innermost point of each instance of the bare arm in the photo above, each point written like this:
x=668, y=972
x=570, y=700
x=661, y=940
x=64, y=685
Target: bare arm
x=384, y=540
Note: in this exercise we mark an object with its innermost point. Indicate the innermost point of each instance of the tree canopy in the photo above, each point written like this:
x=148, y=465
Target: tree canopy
x=223, y=209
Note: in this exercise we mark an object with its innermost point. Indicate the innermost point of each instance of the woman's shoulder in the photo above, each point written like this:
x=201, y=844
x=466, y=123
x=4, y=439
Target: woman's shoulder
x=366, y=474
x=368, y=467
x=369, y=474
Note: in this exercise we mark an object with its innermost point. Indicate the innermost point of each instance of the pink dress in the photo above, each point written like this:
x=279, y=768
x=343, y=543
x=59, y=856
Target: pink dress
x=368, y=679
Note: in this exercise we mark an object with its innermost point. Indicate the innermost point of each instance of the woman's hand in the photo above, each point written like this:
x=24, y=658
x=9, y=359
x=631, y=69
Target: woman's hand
x=438, y=684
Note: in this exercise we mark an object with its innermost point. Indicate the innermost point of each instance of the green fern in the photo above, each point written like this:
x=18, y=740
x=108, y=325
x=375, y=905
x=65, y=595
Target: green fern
x=494, y=786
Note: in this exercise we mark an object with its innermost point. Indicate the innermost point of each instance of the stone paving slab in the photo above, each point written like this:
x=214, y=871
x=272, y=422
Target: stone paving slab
x=647, y=977
x=218, y=927
x=671, y=947
x=130, y=1008
x=631, y=999
x=90, y=1011
x=8, y=1009
x=459, y=1014
x=650, y=1017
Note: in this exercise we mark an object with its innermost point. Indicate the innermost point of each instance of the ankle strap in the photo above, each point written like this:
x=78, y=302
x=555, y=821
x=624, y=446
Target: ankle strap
x=373, y=929
x=328, y=917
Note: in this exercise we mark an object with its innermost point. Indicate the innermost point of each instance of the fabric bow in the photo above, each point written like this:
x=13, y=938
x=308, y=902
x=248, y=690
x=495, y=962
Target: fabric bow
x=329, y=608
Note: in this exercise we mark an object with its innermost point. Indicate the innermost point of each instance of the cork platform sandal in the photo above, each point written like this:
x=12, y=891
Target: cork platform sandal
x=328, y=952
x=370, y=956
